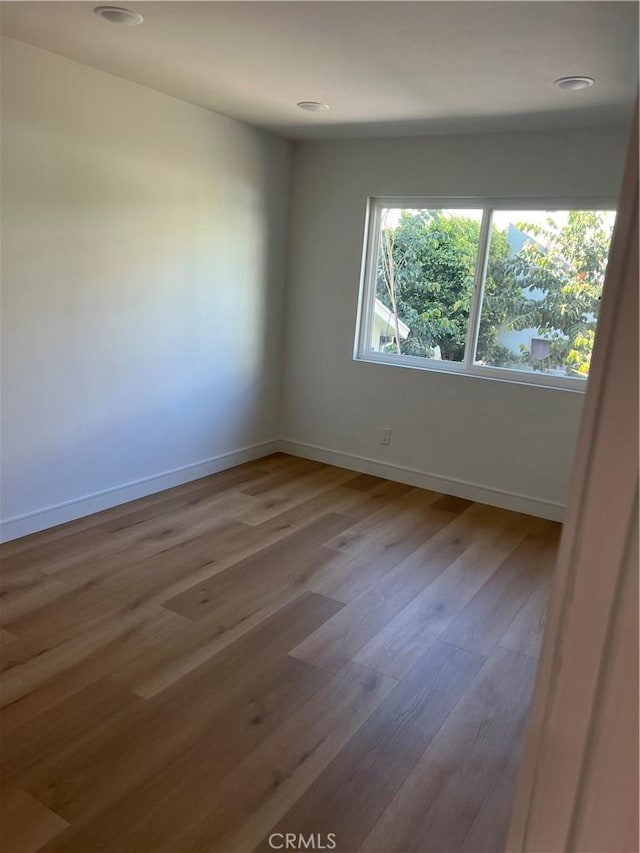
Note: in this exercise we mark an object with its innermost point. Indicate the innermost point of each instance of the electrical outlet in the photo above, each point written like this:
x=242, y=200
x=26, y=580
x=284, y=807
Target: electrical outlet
x=385, y=435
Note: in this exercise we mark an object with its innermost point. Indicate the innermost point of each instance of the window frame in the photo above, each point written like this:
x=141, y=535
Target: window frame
x=487, y=205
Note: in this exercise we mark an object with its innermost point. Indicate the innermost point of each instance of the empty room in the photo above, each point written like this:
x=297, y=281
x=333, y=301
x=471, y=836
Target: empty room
x=319, y=436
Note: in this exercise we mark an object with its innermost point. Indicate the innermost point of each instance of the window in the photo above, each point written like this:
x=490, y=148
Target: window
x=483, y=288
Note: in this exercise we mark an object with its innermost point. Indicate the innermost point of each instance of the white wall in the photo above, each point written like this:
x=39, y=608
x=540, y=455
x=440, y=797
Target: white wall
x=143, y=244
x=142, y=276
x=514, y=442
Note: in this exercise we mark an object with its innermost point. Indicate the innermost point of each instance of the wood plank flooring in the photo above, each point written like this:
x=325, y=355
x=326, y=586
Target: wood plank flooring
x=284, y=647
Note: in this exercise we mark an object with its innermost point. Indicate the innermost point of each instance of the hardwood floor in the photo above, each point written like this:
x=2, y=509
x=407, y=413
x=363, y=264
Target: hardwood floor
x=284, y=647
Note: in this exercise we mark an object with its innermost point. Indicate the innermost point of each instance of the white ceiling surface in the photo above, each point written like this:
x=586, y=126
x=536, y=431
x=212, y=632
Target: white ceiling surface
x=385, y=68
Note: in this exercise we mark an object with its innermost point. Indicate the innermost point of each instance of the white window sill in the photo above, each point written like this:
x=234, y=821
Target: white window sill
x=493, y=374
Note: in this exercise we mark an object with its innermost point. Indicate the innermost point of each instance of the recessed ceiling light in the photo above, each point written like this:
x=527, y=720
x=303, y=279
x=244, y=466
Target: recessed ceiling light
x=312, y=106
x=574, y=83
x=119, y=15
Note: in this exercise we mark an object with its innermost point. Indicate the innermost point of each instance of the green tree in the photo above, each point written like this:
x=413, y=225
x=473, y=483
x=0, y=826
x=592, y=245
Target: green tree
x=561, y=275
x=425, y=277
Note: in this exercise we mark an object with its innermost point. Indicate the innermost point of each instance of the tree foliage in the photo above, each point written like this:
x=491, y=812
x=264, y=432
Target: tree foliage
x=434, y=259
x=553, y=284
x=564, y=269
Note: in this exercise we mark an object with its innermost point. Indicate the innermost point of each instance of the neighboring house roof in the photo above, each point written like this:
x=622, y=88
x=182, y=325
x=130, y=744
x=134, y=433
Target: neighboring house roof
x=385, y=316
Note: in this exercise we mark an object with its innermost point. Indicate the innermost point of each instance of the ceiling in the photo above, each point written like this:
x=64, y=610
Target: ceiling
x=385, y=68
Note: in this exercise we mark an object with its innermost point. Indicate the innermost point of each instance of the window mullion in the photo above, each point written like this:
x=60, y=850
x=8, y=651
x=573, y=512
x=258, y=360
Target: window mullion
x=478, y=288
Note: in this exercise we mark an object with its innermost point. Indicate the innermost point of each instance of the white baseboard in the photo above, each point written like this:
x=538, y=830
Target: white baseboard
x=23, y=525
x=42, y=519
x=460, y=488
